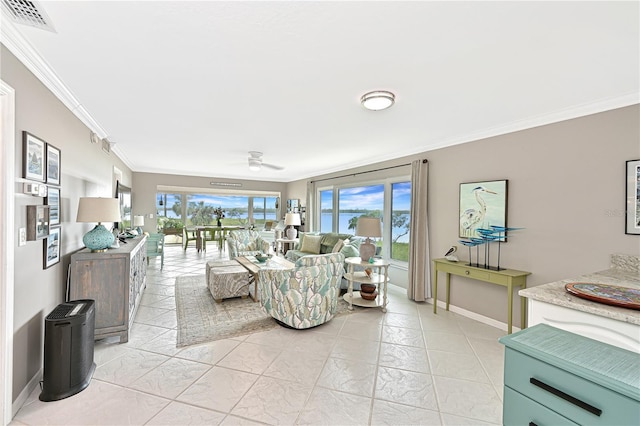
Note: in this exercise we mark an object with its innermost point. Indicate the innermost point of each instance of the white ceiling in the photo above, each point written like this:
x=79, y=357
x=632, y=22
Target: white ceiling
x=188, y=87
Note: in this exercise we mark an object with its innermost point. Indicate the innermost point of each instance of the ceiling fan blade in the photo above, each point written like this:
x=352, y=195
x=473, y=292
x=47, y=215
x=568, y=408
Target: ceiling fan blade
x=272, y=166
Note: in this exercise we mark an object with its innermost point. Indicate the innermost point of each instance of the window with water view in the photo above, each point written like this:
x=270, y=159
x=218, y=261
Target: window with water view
x=354, y=202
x=178, y=210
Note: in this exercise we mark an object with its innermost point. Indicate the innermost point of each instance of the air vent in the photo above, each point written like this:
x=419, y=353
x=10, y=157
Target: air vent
x=28, y=13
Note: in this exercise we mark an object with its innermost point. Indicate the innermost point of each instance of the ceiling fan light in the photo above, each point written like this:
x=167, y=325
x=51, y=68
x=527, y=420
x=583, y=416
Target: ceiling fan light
x=377, y=100
x=254, y=165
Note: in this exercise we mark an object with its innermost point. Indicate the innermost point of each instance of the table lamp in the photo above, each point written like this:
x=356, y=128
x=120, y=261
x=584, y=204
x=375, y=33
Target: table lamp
x=368, y=227
x=99, y=210
x=292, y=219
x=138, y=222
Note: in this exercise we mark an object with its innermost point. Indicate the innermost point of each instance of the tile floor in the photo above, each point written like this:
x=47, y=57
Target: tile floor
x=405, y=367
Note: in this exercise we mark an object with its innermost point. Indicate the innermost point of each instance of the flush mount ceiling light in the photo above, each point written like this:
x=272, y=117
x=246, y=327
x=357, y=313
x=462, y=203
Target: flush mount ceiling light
x=377, y=100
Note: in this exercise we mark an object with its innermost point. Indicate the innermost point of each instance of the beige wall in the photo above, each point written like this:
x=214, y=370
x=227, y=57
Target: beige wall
x=145, y=187
x=86, y=170
x=566, y=187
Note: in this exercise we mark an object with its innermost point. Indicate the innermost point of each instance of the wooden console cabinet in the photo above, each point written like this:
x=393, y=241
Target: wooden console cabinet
x=115, y=280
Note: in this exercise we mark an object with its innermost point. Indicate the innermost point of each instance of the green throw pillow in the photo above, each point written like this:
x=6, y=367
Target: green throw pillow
x=349, y=249
x=311, y=244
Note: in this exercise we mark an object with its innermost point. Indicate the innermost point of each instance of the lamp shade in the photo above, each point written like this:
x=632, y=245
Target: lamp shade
x=292, y=219
x=96, y=209
x=138, y=220
x=369, y=227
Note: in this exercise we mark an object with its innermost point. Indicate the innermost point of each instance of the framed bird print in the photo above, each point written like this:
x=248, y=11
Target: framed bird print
x=482, y=204
x=632, y=225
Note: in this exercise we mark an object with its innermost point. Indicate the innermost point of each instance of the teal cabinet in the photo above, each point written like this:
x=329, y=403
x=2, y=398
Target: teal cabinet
x=552, y=376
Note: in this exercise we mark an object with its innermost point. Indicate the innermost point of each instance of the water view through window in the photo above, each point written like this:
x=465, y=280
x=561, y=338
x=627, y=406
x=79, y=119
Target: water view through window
x=178, y=210
x=355, y=202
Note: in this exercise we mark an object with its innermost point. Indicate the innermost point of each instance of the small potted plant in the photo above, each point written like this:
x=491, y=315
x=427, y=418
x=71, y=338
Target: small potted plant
x=170, y=226
x=219, y=215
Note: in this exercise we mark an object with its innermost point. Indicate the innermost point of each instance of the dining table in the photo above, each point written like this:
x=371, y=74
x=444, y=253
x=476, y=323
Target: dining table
x=219, y=234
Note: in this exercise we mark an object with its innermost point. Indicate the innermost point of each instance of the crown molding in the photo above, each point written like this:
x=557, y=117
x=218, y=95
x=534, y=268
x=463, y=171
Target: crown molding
x=34, y=62
x=29, y=56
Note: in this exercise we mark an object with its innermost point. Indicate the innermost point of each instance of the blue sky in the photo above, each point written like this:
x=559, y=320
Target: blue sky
x=370, y=197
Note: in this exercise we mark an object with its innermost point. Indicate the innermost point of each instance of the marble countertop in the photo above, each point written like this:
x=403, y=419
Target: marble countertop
x=555, y=293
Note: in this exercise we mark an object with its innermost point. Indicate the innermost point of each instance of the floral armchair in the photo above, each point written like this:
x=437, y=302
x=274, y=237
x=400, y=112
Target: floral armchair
x=305, y=296
x=246, y=242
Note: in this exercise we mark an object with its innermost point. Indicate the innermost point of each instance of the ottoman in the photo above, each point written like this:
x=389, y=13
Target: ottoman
x=217, y=264
x=228, y=281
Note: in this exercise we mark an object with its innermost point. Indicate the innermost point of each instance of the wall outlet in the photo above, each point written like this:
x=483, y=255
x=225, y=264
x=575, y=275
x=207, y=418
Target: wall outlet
x=22, y=236
x=150, y=215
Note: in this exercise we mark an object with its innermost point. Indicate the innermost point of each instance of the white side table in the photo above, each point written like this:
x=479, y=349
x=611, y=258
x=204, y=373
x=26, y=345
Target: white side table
x=379, y=276
x=285, y=244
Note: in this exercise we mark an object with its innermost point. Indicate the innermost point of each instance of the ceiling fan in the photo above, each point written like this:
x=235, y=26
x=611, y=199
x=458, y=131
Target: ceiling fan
x=255, y=162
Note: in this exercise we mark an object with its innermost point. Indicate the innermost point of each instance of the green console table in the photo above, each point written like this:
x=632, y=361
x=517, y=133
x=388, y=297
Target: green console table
x=509, y=278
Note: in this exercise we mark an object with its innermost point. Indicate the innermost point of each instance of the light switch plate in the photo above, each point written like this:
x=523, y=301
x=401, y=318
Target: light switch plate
x=22, y=236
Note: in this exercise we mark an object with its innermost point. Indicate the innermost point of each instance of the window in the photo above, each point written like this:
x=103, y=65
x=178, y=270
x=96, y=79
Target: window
x=400, y=220
x=200, y=209
x=326, y=211
x=169, y=211
x=178, y=210
x=264, y=208
x=359, y=201
x=389, y=200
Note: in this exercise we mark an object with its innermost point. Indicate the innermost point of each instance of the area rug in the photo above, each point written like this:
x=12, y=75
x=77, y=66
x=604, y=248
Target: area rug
x=201, y=319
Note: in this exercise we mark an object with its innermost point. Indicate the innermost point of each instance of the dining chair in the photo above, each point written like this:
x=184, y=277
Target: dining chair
x=155, y=248
x=188, y=234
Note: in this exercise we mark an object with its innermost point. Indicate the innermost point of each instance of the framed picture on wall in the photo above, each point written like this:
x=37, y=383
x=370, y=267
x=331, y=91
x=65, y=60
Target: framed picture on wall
x=482, y=204
x=37, y=222
x=52, y=247
x=53, y=165
x=53, y=201
x=33, y=157
x=633, y=198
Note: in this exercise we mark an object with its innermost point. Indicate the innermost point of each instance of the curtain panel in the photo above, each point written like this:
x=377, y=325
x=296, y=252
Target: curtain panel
x=419, y=288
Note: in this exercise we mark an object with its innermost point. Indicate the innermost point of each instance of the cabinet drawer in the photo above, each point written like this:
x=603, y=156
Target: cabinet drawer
x=521, y=411
x=478, y=275
x=563, y=392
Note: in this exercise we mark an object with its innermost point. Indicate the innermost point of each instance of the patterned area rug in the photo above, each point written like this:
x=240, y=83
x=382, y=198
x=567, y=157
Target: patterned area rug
x=201, y=319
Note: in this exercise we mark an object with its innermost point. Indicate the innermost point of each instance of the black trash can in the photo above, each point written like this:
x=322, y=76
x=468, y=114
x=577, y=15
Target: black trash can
x=68, y=349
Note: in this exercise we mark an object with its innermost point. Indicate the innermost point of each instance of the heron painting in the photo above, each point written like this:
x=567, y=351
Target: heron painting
x=482, y=205
x=633, y=198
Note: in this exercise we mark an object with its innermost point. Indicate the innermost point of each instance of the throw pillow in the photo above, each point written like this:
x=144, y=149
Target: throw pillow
x=311, y=244
x=349, y=249
x=337, y=247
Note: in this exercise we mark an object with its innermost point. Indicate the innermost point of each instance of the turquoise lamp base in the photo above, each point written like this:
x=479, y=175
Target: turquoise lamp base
x=139, y=229
x=98, y=239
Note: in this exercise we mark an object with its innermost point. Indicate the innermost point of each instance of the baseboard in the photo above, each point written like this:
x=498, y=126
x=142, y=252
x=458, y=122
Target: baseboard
x=24, y=395
x=474, y=316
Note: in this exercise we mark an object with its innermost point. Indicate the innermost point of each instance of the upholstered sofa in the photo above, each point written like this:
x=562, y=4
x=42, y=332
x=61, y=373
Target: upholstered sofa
x=246, y=242
x=312, y=243
x=305, y=296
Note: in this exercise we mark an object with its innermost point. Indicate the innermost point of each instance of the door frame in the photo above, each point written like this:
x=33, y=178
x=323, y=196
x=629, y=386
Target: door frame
x=7, y=240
